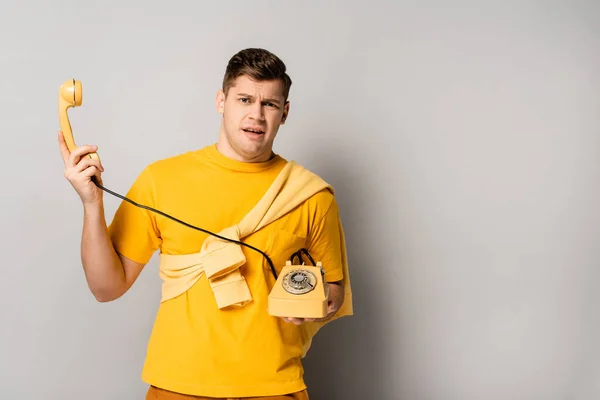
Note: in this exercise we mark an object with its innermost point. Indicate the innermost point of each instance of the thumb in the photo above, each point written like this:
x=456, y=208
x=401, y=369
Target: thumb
x=62, y=145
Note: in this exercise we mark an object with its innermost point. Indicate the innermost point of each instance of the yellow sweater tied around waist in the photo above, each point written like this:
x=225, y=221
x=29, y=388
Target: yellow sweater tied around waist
x=220, y=260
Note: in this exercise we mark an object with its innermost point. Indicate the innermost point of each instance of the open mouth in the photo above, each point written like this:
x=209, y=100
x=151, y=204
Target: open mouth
x=255, y=131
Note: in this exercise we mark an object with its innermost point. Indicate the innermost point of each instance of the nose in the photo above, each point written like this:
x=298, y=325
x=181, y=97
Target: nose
x=257, y=112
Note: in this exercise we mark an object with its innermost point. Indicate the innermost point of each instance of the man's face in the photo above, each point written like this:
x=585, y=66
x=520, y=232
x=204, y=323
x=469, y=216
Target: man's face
x=252, y=113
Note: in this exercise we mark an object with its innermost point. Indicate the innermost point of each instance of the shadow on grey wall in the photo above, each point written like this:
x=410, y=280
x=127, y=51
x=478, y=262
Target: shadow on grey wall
x=347, y=359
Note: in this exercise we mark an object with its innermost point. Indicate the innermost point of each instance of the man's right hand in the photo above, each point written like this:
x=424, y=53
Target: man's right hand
x=80, y=169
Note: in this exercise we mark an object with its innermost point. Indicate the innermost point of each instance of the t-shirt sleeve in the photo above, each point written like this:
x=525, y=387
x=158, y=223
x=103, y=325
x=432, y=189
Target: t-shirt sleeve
x=325, y=243
x=133, y=230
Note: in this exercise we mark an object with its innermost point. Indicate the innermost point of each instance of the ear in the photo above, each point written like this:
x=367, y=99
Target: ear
x=220, y=102
x=286, y=111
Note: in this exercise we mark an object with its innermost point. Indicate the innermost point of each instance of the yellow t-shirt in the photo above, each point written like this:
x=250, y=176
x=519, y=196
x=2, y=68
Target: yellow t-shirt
x=195, y=348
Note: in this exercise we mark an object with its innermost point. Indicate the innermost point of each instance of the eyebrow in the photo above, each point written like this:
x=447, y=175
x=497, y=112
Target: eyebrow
x=265, y=100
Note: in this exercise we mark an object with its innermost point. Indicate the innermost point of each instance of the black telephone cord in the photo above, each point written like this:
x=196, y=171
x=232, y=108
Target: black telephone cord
x=297, y=254
x=189, y=225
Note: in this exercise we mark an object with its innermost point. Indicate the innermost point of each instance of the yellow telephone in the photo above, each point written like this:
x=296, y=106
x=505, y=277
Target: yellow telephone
x=300, y=291
x=70, y=95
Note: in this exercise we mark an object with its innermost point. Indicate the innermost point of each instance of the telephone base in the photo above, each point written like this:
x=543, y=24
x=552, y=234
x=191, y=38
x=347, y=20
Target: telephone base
x=299, y=292
x=297, y=308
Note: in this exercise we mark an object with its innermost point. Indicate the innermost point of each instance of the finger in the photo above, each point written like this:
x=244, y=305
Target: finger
x=62, y=145
x=88, y=162
x=80, y=152
x=94, y=175
x=84, y=150
x=91, y=171
x=331, y=307
x=325, y=318
x=97, y=178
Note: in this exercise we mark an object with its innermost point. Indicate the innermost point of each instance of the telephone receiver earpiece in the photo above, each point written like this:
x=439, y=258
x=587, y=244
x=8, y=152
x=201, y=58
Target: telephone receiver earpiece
x=70, y=95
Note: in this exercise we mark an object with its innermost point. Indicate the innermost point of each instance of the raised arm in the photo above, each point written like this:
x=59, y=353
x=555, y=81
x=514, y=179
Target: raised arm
x=109, y=275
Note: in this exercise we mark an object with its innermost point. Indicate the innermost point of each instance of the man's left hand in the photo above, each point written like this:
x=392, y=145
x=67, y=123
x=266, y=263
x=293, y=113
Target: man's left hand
x=335, y=301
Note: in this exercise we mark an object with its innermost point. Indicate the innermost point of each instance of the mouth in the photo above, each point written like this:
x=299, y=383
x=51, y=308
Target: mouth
x=253, y=130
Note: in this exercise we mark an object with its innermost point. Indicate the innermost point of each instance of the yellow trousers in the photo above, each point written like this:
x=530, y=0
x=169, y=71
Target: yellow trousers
x=155, y=393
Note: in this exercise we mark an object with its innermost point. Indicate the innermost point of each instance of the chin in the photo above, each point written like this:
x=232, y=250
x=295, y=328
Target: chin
x=252, y=152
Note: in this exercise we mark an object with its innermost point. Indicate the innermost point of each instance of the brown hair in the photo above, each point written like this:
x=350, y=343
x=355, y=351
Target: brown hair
x=259, y=65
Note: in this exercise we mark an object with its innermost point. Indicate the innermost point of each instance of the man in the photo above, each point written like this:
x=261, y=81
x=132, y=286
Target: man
x=206, y=342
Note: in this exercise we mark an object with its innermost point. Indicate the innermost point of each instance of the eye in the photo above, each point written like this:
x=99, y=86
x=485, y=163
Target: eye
x=244, y=100
x=271, y=105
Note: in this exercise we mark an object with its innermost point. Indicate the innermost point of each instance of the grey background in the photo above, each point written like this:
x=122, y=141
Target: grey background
x=462, y=138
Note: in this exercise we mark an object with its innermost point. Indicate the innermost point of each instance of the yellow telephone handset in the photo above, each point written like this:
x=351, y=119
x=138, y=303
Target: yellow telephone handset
x=70, y=95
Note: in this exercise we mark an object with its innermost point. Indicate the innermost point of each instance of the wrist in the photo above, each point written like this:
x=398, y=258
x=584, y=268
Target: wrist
x=93, y=208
